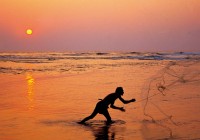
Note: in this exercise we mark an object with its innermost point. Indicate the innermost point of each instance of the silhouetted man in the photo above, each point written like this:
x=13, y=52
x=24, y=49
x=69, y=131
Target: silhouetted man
x=103, y=105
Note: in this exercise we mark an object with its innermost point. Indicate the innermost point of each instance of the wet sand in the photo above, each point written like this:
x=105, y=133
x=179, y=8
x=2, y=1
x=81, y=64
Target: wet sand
x=46, y=106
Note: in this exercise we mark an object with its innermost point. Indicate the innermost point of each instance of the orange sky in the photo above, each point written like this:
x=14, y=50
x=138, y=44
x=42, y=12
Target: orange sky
x=100, y=25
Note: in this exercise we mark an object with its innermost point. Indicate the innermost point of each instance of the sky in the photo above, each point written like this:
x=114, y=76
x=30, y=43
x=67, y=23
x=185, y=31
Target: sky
x=99, y=25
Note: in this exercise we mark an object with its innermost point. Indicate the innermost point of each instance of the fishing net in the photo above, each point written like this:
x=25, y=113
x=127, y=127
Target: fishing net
x=171, y=98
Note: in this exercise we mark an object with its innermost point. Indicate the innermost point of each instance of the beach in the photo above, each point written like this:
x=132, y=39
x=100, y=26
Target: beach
x=44, y=95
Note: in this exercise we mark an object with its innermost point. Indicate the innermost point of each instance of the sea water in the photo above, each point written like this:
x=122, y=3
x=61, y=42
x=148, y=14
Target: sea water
x=19, y=63
x=44, y=95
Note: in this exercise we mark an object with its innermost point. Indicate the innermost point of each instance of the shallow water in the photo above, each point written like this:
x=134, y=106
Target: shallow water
x=45, y=98
x=20, y=63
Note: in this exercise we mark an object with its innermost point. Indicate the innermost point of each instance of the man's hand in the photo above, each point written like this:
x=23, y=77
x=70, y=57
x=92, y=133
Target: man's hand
x=132, y=100
x=122, y=109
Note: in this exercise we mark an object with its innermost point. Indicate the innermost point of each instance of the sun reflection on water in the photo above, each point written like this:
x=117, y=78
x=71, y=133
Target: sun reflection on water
x=30, y=92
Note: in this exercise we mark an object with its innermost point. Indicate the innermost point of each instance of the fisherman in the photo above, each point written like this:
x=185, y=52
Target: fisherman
x=103, y=105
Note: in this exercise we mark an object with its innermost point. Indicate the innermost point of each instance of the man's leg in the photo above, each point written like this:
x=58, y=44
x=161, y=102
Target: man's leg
x=107, y=115
x=90, y=117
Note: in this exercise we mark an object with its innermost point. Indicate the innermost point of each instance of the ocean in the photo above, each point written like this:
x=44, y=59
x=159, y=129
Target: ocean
x=44, y=95
x=19, y=63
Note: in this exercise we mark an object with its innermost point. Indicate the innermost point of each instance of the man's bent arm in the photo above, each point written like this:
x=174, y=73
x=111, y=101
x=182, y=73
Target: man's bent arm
x=115, y=107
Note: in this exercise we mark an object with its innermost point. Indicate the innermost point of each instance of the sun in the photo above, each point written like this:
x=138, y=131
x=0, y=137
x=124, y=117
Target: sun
x=29, y=31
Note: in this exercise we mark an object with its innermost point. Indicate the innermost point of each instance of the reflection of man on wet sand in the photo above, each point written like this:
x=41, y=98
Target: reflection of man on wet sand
x=102, y=106
x=103, y=132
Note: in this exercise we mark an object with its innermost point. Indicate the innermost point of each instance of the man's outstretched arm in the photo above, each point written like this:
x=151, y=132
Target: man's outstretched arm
x=126, y=101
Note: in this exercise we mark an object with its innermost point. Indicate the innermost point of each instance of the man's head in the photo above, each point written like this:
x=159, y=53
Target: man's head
x=119, y=90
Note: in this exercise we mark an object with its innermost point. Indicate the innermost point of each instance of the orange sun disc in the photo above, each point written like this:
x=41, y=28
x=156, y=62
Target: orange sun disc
x=29, y=31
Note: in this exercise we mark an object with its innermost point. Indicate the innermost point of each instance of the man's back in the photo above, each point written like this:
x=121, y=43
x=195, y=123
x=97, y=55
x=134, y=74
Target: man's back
x=110, y=98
